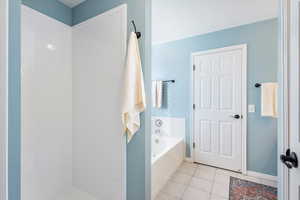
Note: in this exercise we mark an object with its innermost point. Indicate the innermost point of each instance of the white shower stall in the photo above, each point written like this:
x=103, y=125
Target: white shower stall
x=73, y=147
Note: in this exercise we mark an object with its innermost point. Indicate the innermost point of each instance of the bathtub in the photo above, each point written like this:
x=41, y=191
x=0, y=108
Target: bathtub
x=167, y=156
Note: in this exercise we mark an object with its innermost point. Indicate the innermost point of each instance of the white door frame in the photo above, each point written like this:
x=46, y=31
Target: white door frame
x=283, y=75
x=242, y=47
x=3, y=96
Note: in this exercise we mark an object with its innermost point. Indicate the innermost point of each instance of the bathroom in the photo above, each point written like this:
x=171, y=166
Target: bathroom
x=149, y=100
x=209, y=71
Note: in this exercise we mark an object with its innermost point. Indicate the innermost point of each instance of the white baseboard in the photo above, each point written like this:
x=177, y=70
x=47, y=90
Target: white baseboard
x=261, y=175
x=188, y=159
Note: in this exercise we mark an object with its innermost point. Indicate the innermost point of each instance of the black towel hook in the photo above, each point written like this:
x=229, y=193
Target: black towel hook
x=138, y=34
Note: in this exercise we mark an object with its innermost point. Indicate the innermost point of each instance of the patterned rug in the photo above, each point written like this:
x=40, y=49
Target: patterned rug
x=246, y=190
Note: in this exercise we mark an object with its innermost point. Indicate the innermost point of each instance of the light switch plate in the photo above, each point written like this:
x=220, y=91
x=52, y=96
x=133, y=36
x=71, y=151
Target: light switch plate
x=251, y=108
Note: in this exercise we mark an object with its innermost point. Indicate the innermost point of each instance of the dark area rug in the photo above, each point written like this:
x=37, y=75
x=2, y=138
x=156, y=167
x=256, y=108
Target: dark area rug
x=246, y=190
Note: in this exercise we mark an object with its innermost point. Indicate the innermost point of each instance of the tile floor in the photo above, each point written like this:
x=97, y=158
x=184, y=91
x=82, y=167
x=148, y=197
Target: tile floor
x=200, y=182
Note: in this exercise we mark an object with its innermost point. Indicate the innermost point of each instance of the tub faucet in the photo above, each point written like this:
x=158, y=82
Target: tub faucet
x=158, y=132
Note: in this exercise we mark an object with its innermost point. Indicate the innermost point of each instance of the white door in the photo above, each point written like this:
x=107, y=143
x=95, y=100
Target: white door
x=294, y=100
x=218, y=106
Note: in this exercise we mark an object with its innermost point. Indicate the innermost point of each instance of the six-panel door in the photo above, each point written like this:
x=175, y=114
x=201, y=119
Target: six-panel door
x=218, y=108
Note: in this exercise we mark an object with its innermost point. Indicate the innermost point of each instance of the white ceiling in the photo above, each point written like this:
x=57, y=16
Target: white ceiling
x=177, y=19
x=71, y=3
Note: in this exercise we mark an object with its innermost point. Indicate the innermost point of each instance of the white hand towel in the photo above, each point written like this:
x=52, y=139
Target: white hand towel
x=157, y=90
x=134, y=101
x=269, y=99
x=154, y=102
x=159, y=93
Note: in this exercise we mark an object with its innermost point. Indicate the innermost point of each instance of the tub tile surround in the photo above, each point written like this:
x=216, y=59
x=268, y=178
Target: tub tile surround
x=171, y=126
x=199, y=182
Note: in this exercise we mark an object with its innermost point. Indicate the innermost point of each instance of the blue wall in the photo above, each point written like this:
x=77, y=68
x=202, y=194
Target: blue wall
x=52, y=8
x=172, y=61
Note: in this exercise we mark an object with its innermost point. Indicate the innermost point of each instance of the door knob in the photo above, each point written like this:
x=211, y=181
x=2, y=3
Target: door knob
x=236, y=116
x=289, y=159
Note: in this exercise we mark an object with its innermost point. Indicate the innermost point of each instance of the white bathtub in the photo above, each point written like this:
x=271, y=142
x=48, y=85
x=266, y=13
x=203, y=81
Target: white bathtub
x=167, y=156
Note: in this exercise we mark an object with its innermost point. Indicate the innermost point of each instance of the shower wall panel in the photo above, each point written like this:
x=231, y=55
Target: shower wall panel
x=46, y=106
x=99, y=46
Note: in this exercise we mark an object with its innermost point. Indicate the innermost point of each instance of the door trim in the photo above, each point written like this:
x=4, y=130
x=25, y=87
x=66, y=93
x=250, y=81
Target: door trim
x=3, y=97
x=242, y=47
x=262, y=176
x=283, y=75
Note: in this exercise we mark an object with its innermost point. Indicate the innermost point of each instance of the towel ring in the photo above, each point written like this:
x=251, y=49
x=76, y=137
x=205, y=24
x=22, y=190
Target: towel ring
x=138, y=34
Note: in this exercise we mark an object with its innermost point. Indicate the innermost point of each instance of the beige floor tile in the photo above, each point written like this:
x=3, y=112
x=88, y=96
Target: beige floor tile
x=174, y=189
x=194, y=194
x=222, y=178
x=216, y=197
x=163, y=196
x=189, y=165
x=206, y=168
x=204, y=172
x=187, y=168
x=201, y=184
x=228, y=173
x=221, y=189
x=179, y=177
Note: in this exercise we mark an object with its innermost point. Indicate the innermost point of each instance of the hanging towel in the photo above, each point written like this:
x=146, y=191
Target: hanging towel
x=154, y=102
x=134, y=101
x=269, y=99
x=157, y=94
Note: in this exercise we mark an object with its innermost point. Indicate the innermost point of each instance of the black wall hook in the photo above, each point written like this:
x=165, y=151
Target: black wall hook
x=138, y=34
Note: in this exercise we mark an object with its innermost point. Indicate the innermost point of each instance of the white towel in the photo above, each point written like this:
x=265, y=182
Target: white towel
x=157, y=93
x=269, y=100
x=134, y=101
x=154, y=102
